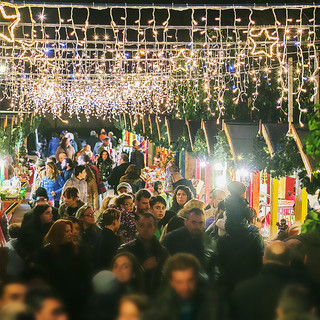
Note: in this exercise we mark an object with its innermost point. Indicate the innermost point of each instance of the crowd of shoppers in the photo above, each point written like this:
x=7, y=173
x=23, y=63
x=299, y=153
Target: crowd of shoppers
x=149, y=254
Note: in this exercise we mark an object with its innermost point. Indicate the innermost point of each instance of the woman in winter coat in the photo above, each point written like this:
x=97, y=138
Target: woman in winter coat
x=104, y=164
x=65, y=147
x=53, y=183
x=132, y=176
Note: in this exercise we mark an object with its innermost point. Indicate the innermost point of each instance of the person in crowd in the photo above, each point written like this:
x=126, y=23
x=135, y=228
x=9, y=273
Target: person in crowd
x=76, y=157
x=113, y=140
x=192, y=239
x=158, y=209
x=61, y=156
x=132, y=176
x=181, y=196
x=12, y=290
x=71, y=202
x=216, y=229
x=211, y=210
x=67, y=266
x=108, y=241
x=128, y=273
x=92, y=175
x=91, y=231
x=239, y=246
x=93, y=139
x=170, y=170
x=53, y=183
x=67, y=169
x=127, y=230
x=132, y=307
x=33, y=232
x=142, y=202
x=103, y=134
x=104, y=164
x=87, y=150
x=296, y=300
x=137, y=156
x=78, y=180
x=158, y=190
x=15, y=264
x=70, y=136
x=105, y=146
x=53, y=144
x=45, y=304
x=178, y=180
x=40, y=169
x=77, y=140
x=40, y=198
x=77, y=230
x=124, y=187
x=4, y=228
x=257, y=297
x=310, y=238
x=119, y=170
x=186, y=296
x=65, y=147
x=148, y=250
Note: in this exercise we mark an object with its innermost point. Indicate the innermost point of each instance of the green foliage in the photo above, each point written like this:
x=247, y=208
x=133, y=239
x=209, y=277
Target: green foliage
x=311, y=185
x=200, y=149
x=312, y=142
x=312, y=224
x=286, y=160
x=183, y=142
x=221, y=150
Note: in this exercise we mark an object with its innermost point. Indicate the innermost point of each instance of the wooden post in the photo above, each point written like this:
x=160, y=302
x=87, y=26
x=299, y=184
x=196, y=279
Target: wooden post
x=274, y=206
x=290, y=92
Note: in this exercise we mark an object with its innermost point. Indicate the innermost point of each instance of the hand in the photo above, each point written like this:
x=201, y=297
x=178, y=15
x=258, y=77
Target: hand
x=53, y=193
x=150, y=263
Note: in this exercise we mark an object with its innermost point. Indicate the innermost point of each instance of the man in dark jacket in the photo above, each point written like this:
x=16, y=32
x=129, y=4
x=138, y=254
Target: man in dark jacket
x=119, y=170
x=186, y=296
x=67, y=169
x=148, y=250
x=137, y=156
x=192, y=239
x=257, y=298
x=93, y=139
x=108, y=242
x=178, y=180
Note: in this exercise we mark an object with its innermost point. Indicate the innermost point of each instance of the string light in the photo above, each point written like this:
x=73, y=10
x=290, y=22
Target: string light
x=152, y=65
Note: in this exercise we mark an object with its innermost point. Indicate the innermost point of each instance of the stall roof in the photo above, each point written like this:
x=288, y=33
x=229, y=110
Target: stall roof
x=175, y=129
x=211, y=130
x=299, y=135
x=193, y=127
x=273, y=133
x=240, y=137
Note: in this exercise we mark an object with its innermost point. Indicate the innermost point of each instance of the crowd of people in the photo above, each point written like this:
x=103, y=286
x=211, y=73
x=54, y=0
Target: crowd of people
x=83, y=252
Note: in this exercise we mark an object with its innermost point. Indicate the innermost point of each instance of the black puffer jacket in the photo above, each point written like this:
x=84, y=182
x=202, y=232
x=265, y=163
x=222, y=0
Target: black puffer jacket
x=105, y=168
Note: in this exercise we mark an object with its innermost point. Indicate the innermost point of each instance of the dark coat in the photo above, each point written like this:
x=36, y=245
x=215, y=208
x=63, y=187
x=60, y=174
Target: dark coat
x=105, y=168
x=66, y=174
x=203, y=248
x=117, y=173
x=28, y=215
x=90, y=236
x=153, y=277
x=92, y=140
x=207, y=304
x=137, y=158
x=257, y=298
x=106, y=248
x=244, y=250
x=185, y=182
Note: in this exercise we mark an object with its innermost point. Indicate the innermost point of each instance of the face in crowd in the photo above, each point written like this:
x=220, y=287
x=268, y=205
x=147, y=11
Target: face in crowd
x=158, y=210
x=13, y=292
x=70, y=202
x=146, y=228
x=51, y=309
x=62, y=155
x=88, y=217
x=123, y=190
x=123, y=269
x=68, y=234
x=143, y=205
x=184, y=283
x=181, y=197
x=195, y=224
x=216, y=197
x=46, y=216
x=127, y=205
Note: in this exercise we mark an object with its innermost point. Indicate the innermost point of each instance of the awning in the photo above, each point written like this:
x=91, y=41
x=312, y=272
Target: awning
x=273, y=133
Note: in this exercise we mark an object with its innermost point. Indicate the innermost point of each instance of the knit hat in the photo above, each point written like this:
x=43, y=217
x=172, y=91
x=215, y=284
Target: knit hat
x=236, y=188
x=92, y=133
x=124, y=185
x=104, y=282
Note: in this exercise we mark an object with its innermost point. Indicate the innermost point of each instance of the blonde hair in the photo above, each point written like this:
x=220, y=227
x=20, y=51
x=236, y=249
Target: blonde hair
x=54, y=175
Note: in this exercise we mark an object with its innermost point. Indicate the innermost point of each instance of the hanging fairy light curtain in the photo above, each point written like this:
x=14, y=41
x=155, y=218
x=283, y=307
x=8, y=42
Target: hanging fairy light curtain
x=110, y=60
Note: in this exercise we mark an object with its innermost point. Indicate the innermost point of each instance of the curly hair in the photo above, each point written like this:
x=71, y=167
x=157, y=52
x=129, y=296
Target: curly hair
x=175, y=206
